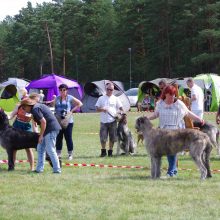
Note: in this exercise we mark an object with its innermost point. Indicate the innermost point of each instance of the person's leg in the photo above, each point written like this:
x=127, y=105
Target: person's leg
x=69, y=140
x=50, y=140
x=30, y=157
x=103, y=134
x=41, y=151
x=59, y=142
x=112, y=136
x=172, y=169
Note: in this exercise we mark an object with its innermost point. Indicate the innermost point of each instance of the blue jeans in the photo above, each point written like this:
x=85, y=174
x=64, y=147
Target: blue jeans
x=172, y=169
x=67, y=133
x=48, y=145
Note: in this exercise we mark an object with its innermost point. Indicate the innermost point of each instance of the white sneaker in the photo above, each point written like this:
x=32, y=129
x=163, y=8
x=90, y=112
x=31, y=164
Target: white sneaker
x=70, y=157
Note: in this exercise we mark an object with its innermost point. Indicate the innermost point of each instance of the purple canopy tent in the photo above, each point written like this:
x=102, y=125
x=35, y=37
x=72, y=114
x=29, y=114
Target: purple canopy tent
x=50, y=84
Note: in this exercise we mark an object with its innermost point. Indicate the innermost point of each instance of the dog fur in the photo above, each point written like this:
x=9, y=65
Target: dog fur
x=125, y=140
x=140, y=137
x=160, y=142
x=14, y=139
x=212, y=131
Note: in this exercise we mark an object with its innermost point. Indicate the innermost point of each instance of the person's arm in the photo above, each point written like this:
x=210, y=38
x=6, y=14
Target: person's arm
x=195, y=117
x=100, y=109
x=14, y=112
x=43, y=125
x=34, y=126
x=193, y=98
x=153, y=116
x=77, y=104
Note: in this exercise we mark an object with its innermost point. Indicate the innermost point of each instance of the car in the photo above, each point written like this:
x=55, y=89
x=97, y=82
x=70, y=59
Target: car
x=132, y=95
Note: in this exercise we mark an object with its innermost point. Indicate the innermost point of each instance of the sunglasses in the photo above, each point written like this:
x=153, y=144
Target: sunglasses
x=109, y=89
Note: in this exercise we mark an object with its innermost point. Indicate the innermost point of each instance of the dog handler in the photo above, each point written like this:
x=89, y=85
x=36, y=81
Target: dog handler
x=23, y=121
x=49, y=128
x=171, y=112
x=66, y=104
x=108, y=105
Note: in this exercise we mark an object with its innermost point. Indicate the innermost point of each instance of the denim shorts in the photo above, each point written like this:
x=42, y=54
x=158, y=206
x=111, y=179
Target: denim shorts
x=108, y=129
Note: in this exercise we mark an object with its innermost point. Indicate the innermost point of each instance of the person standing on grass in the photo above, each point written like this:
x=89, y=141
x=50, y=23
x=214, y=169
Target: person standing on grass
x=65, y=104
x=197, y=98
x=108, y=105
x=171, y=112
x=23, y=121
x=49, y=128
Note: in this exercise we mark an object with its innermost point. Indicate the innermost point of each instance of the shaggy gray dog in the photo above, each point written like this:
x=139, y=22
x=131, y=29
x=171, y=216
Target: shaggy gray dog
x=212, y=131
x=125, y=139
x=161, y=142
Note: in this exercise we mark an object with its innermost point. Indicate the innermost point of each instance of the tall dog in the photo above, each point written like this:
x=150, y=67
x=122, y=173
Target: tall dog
x=161, y=142
x=125, y=139
x=14, y=139
x=212, y=131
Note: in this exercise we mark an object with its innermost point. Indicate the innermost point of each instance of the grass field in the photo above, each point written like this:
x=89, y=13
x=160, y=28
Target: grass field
x=107, y=193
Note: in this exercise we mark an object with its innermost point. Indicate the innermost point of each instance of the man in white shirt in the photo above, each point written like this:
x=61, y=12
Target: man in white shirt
x=108, y=106
x=197, y=98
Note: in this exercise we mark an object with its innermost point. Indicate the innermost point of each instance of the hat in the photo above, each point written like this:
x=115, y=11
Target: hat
x=28, y=101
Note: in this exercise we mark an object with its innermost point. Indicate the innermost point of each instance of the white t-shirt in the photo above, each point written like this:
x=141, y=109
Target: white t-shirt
x=197, y=104
x=111, y=104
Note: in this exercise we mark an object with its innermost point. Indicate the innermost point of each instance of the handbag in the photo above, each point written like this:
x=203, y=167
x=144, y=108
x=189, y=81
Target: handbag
x=64, y=121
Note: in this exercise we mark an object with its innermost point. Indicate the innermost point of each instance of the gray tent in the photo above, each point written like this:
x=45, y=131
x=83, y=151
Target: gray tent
x=93, y=90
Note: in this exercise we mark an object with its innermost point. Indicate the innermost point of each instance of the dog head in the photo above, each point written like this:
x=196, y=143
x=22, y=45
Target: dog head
x=3, y=119
x=142, y=124
x=123, y=118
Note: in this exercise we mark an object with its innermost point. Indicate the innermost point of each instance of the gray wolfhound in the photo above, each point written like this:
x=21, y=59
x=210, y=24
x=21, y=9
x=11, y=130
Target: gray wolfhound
x=125, y=139
x=14, y=139
x=212, y=131
x=161, y=142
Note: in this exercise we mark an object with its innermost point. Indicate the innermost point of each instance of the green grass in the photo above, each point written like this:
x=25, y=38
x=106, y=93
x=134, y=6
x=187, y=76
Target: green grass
x=107, y=193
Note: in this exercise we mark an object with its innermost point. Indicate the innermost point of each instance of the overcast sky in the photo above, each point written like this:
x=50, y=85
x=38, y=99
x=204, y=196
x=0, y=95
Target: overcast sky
x=12, y=7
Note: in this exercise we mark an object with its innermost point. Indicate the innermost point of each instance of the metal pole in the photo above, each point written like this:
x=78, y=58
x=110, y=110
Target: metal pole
x=129, y=49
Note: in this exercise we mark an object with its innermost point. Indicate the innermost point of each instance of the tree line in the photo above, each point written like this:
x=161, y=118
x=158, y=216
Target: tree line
x=126, y=40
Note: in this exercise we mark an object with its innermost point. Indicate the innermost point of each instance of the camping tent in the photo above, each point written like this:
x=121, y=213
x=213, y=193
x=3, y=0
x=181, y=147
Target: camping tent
x=10, y=93
x=50, y=86
x=211, y=84
x=93, y=90
x=149, y=87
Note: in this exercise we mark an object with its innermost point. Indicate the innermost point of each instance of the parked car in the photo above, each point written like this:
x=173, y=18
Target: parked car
x=132, y=95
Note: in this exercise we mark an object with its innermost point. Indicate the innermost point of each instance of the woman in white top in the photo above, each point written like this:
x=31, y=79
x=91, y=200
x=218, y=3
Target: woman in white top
x=171, y=112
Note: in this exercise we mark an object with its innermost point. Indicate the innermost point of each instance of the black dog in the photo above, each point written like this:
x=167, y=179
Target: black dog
x=125, y=139
x=212, y=131
x=14, y=139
